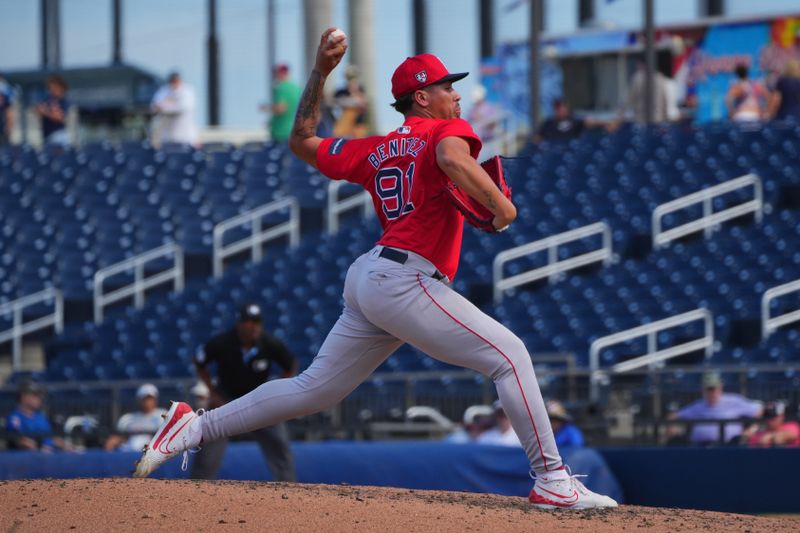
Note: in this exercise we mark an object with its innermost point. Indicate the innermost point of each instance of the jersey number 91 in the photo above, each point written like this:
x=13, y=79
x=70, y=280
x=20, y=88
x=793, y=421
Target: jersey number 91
x=394, y=189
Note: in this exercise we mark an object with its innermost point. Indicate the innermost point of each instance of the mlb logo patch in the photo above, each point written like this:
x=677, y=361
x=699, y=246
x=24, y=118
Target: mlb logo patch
x=421, y=76
x=403, y=130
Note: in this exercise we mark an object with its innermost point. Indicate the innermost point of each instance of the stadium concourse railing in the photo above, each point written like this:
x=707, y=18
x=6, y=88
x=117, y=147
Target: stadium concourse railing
x=554, y=266
x=141, y=282
x=364, y=415
x=22, y=326
x=253, y=221
x=710, y=219
x=770, y=323
x=336, y=206
x=654, y=354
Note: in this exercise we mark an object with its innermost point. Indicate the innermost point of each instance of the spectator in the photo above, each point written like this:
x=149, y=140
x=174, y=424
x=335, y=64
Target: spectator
x=477, y=419
x=636, y=96
x=174, y=105
x=244, y=358
x=784, y=102
x=134, y=430
x=201, y=395
x=352, y=106
x=566, y=433
x=285, y=97
x=6, y=112
x=485, y=119
x=716, y=405
x=745, y=98
x=53, y=111
x=775, y=430
x=563, y=125
x=28, y=426
x=502, y=434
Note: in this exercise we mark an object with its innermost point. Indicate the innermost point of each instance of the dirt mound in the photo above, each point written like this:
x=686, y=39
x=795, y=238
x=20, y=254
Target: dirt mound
x=158, y=505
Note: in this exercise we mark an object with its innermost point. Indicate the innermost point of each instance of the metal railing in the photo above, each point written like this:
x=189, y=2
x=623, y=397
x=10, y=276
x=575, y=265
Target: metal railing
x=770, y=324
x=653, y=355
x=337, y=206
x=667, y=387
x=140, y=282
x=709, y=218
x=20, y=328
x=258, y=236
x=554, y=265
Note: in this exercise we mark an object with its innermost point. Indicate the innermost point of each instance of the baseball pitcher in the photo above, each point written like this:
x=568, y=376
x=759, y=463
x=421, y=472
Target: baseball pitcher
x=425, y=181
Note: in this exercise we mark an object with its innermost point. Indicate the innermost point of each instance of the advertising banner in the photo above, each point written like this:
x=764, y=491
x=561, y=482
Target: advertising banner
x=764, y=47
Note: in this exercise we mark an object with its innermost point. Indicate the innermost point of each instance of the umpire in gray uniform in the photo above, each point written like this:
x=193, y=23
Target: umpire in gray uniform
x=244, y=357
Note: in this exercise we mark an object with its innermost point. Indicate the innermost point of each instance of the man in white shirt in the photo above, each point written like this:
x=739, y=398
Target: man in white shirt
x=136, y=429
x=502, y=434
x=174, y=107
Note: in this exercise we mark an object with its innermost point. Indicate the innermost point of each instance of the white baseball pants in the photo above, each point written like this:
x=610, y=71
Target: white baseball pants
x=386, y=305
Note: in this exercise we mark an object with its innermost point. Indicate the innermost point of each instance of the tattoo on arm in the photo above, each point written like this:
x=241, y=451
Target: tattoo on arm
x=490, y=203
x=308, y=113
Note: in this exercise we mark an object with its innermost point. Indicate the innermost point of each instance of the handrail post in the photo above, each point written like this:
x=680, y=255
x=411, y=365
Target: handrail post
x=255, y=246
x=607, y=244
x=652, y=345
x=707, y=211
x=16, y=355
x=217, y=251
x=59, y=312
x=258, y=236
x=710, y=219
x=137, y=289
x=656, y=225
x=294, y=213
x=758, y=190
x=138, y=294
x=336, y=206
x=654, y=354
x=179, y=270
x=552, y=258
x=98, y=308
x=19, y=327
x=554, y=267
x=331, y=220
x=770, y=323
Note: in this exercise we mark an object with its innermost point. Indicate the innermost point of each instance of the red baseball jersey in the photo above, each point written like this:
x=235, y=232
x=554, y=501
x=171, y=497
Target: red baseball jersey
x=400, y=172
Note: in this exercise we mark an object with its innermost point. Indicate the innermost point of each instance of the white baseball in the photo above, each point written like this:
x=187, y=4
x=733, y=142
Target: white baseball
x=336, y=33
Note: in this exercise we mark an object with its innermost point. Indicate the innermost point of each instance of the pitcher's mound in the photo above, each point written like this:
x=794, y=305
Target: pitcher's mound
x=169, y=505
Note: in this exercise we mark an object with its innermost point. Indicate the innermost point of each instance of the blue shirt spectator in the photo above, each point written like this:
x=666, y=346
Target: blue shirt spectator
x=569, y=435
x=716, y=405
x=27, y=424
x=31, y=425
x=566, y=433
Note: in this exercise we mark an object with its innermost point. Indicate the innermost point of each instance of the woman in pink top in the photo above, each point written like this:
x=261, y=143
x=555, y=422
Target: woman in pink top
x=776, y=431
x=745, y=98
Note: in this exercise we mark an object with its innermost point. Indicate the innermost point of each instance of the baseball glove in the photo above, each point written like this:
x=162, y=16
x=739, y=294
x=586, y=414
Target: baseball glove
x=475, y=213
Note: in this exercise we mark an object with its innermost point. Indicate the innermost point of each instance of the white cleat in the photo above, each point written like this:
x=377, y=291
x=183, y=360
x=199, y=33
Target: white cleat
x=172, y=438
x=566, y=493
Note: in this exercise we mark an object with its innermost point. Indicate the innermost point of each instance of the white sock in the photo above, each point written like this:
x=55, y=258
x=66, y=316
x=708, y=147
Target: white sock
x=195, y=431
x=554, y=475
